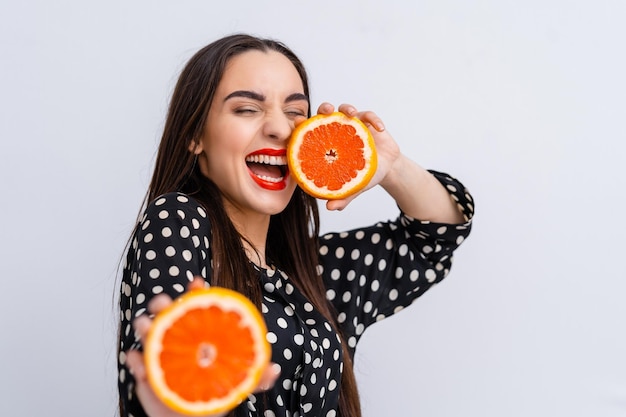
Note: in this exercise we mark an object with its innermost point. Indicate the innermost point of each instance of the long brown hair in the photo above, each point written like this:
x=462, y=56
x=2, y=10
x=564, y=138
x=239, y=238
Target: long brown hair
x=295, y=227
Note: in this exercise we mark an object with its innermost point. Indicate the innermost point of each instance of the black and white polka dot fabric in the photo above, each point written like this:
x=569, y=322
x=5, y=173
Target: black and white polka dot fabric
x=369, y=273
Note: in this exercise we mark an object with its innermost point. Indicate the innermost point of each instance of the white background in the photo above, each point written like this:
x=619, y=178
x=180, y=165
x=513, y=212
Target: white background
x=522, y=101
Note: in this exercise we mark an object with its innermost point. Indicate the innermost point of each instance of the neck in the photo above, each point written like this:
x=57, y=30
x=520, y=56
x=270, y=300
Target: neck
x=253, y=227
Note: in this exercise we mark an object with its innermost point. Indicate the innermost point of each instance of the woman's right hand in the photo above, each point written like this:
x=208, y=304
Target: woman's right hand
x=152, y=405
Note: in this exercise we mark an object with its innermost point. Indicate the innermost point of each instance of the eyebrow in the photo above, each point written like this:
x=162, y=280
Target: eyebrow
x=260, y=97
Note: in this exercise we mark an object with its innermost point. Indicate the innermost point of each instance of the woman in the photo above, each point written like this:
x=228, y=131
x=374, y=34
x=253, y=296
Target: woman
x=211, y=212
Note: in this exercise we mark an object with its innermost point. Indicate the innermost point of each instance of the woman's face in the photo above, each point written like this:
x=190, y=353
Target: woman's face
x=249, y=123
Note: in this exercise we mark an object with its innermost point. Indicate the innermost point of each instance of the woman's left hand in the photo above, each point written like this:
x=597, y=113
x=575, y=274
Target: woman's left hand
x=386, y=148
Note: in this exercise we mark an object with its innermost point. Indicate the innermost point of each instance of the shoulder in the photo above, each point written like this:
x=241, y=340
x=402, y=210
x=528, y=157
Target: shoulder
x=174, y=203
x=174, y=209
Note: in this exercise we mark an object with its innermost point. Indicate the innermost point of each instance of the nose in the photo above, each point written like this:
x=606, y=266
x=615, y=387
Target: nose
x=278, y=126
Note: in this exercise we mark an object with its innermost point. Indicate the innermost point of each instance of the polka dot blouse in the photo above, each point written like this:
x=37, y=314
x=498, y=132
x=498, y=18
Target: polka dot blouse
x=369, y=273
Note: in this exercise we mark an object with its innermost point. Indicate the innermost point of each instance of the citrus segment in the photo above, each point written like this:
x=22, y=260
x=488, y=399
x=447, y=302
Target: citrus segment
x=207, y=351
x=332, y=156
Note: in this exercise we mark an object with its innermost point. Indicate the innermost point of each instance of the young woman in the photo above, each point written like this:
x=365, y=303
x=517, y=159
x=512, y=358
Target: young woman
x=212, y=212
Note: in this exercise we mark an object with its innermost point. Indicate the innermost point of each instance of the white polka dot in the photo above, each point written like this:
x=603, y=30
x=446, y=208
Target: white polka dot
x=368, y=259
x=187, y=255
x=164, y=214
x=375, y=285
x=351, y=275
x=325, y=343
x=355, y=254
x=141, y=297
x=375, y=238
x=150, y=255
x=341, y=317
x=330, y=294
x=331, y=413
x=399, y=272
x=157, y=289
x=154, y=273
x=282, y=323
x=160, y=201
x=307, y=407
x=145, y=225
x=288, y=311
x=184, y=232
x=427, y=249
x=323, y=250
x=393, y=294
x=339, y=252
x=360, y=328
x=271, y=337
x=174, y=271
x=382, y=264
x=269, y=413
x=459, y=240
x=363, y=280
x=332, y=385
x=346, y=296
x=308, y=307
x=403, y=249
x=148, y=238
x=178, y=288
x=359, y=235
x=414, y=275
x=367, y=307
x=430, y=275
x=335, y=274
x=298, y=339
x=166, y=232
x=170, y=251
x=287, y=354
x=195, y=224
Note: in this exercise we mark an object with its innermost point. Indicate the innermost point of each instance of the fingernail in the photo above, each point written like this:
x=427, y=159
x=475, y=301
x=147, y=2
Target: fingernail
x=380, y=126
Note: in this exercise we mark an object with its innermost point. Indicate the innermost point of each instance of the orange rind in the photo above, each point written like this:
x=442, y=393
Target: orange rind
x=332, y=156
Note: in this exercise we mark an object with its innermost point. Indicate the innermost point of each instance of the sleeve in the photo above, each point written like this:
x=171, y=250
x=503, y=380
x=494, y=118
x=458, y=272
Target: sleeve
x=374, y=272
x=169, y=248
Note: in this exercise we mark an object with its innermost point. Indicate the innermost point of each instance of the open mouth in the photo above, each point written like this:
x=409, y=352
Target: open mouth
x=268, y=168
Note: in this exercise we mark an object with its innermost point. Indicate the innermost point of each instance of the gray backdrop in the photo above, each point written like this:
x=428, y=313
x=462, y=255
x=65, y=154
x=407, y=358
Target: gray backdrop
x=523, y=101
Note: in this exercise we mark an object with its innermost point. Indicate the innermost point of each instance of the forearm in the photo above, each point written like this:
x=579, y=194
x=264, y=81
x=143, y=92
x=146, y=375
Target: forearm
x=419, y=194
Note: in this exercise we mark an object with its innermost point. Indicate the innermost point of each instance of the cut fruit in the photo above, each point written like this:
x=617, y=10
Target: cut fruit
x=206, y=351
x=332, y=156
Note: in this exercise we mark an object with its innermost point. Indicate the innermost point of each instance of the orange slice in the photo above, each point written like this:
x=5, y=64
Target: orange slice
x=206, y=351
x=332, y=156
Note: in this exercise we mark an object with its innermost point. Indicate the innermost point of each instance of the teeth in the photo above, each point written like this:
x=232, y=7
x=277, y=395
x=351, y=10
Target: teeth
x=268, y=160
x=270, y=179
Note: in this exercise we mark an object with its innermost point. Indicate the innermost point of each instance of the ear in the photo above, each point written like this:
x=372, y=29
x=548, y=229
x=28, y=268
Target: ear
x=196, y=147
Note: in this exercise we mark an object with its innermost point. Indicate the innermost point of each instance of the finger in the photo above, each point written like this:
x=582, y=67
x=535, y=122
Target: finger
x=142, y=325
x=158, y=303
x=339, y=204
x=370, y=118
x=298, y=120
x=134, y=362
x=197, y=283
x=269, y=377
x=325, y=108
x=348, y=109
